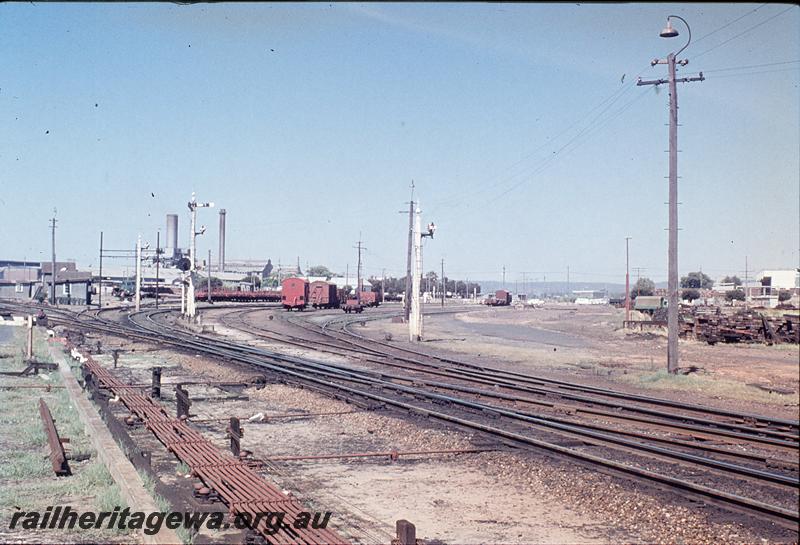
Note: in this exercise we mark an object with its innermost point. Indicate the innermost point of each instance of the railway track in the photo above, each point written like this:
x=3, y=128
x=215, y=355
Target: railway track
x=436, y=400
x=781, y=434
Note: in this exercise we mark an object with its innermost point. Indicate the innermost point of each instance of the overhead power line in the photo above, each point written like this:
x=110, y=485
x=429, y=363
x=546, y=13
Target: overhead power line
x=768, y=19
x=751, y=66
x=752, y=11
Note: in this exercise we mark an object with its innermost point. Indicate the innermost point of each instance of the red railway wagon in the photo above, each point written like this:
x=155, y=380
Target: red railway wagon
x=370, y=298
x=323, y=294
x=352, y=305
x=503, y=297
x=294, y=293
x=239, y=296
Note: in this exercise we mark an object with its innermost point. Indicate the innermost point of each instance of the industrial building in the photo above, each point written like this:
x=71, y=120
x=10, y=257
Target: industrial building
x=25, y=280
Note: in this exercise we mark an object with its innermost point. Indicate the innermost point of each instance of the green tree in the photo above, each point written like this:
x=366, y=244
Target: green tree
x=643, y=286
x=734, y=295
x=254, y=279
x=691, y=294
x=697, y=280
x=784, y=295
x=735, y=280
x=320, y=270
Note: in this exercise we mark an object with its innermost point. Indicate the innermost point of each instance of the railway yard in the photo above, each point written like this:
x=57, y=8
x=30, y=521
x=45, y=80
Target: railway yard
x=546, y=425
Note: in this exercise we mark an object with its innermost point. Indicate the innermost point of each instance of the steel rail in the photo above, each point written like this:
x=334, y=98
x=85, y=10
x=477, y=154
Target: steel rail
x=571, y=385
x=686, y=422
x=303, y=377
x=550, y=423
x=729, y=499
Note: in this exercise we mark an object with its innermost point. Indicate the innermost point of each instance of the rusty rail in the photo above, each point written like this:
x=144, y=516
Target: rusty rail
x=57, y=455
x=238, y=485
x=391, y=454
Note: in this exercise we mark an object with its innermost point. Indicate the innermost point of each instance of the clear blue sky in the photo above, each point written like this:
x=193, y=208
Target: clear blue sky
x=308, y=122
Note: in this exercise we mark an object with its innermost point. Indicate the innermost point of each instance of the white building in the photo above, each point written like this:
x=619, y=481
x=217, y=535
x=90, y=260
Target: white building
x=780, y=279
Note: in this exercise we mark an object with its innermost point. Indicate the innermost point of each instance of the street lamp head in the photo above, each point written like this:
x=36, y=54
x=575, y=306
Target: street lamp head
x=669, y=32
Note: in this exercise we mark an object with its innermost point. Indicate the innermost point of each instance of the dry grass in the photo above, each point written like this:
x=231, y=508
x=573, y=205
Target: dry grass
x=27, y=481
x=708, y=387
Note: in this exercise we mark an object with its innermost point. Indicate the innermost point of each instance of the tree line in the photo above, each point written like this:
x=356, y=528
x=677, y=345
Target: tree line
x=692, y=283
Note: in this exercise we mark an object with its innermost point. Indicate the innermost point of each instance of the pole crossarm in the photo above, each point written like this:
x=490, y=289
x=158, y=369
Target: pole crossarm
x=641, y=82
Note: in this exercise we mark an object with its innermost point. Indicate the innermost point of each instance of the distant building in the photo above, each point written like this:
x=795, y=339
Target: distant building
x=26, y=280
x=783, y=279
x=590, y=297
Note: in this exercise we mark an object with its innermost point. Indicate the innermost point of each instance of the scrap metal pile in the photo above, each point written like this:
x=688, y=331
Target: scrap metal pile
x=712, y=325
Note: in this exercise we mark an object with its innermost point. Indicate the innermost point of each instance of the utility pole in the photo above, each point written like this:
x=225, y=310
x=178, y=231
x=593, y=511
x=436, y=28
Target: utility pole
x=359, y=284
x=383, y=285
x=100, y=286
x=524, y=283
x=627, y=282
x=138, y=288
x=504, y=277
x=415, y=318
x=183, y=294
x=406, y=297
x=191, y=308
x=567, y=280
x=53, y=243
x=746, y=287
x=158, y=264
x=208, y=288
x=672, y=283
x=444, y=284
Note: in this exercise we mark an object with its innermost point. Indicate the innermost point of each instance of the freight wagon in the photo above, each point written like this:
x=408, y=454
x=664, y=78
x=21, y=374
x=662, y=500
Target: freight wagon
x=370, y=298
x=352, y=305
x=650, y=303
x=323, y=294
x=501, y=298
x=239, y=296
x=294, y=293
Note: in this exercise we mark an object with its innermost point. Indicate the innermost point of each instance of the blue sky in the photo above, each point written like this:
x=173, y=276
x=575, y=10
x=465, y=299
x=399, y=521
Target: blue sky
x=307, y=123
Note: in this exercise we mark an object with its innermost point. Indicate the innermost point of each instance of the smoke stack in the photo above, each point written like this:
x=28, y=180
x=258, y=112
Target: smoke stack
x=171, y=247
x=221, y=240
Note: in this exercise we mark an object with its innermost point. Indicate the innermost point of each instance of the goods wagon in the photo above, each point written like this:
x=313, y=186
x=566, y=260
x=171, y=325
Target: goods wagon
x=294, y=294
x=239, y=296
x=370, y=298
x=352, y=305
x=501, y=298
x=323, y=294
x=649, y=303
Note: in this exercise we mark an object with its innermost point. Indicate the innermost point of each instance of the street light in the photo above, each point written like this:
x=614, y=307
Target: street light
x=672, y=285
x=670, y=32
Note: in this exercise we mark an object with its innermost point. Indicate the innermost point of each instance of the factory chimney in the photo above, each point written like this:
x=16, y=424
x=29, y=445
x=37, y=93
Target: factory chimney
x=171, y=247
x=221, y=253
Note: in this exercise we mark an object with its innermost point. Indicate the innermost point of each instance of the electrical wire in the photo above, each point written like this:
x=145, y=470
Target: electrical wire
x=591, y=127
x=755, y=73
x=608, y=102
x=700, y=39
x=750, y=66
x=744, y=31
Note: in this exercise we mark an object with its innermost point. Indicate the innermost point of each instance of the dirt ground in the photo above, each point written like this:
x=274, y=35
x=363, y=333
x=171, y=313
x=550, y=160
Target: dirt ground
x=497, y=496
x=500, y=497
x=489, y=497
x=589, y=345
